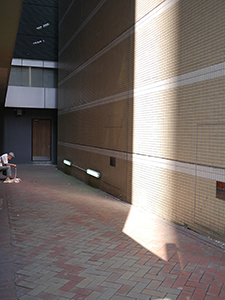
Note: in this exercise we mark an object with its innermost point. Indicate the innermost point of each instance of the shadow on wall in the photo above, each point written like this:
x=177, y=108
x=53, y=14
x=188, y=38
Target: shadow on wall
x=96, y=97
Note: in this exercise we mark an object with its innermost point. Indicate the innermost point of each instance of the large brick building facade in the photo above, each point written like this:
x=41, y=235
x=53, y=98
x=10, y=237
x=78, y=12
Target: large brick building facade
x=141, y=100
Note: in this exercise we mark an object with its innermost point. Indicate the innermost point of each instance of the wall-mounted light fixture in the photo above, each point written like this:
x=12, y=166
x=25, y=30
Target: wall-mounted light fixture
x=93, y=173
x=88, y=171
x=18, y=112
x=66, y=162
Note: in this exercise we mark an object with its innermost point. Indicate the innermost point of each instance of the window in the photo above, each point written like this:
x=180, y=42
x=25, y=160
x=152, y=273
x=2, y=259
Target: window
x=36, y=77
x=33, y=77
x=19, y=76
x=50, y=78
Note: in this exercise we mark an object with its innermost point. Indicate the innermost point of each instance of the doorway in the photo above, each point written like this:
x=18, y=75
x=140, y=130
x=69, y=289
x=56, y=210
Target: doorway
x=41, y=140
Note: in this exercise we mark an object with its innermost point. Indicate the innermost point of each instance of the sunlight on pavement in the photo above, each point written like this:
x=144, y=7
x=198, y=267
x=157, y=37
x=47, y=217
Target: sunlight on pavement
x=156, y=237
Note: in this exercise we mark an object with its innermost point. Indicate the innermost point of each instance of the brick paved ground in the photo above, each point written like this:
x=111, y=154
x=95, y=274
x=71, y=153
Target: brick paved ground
x=61, y=239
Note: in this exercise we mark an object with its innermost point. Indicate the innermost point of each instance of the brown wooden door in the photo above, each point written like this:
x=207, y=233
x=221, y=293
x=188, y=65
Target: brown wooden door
x=41, y=140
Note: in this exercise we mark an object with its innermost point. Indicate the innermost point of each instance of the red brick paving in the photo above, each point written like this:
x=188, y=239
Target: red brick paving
x=61, y=239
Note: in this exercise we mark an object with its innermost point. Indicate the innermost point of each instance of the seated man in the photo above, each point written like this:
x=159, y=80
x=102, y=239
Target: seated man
x=5, y=166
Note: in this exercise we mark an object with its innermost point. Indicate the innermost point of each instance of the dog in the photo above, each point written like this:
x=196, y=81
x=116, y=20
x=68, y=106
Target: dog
x=14, y=180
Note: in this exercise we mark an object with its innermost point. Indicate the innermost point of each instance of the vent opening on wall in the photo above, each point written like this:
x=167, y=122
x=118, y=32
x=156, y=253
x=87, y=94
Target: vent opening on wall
x=112, y=161
x=220, y=190
x=18, y=112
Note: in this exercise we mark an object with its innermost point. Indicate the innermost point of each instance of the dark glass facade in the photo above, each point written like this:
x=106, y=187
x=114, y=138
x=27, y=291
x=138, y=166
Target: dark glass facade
x=37, y=36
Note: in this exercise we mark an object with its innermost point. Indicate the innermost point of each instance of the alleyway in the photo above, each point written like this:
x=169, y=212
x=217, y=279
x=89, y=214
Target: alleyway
x=61, y=239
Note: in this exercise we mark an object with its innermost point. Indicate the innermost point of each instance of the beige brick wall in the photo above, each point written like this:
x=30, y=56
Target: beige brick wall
x=178, y=83
x=106, y=127
x=143, y=7
x=143, y=81
x=95, y=106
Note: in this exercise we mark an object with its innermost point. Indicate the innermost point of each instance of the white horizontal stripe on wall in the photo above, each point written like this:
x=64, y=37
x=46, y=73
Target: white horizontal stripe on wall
x=204, y=74
x=117, y=154
x=106, y=100
x=81, y=26
x=138, y=25
x=206, y=172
